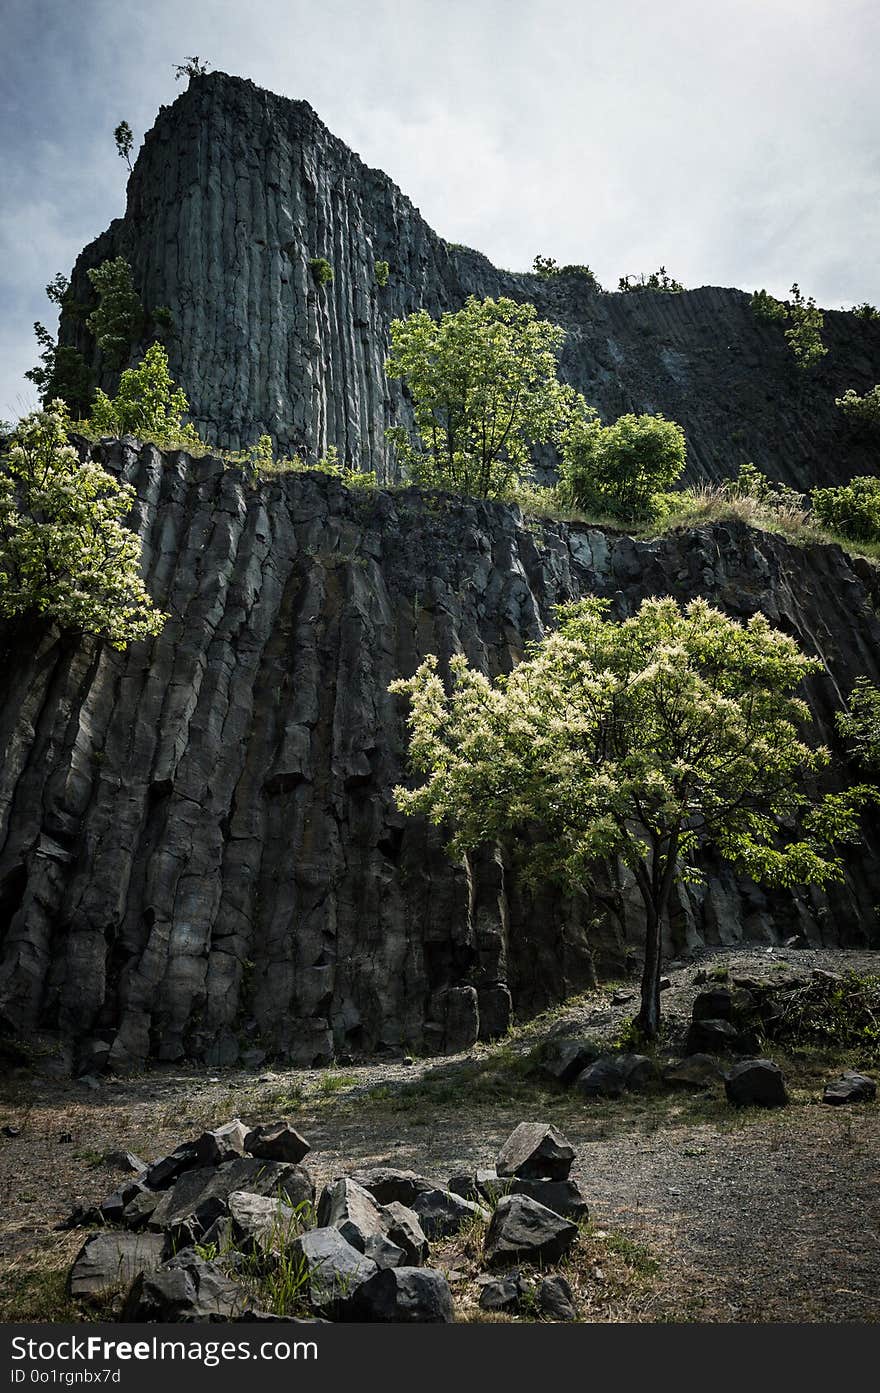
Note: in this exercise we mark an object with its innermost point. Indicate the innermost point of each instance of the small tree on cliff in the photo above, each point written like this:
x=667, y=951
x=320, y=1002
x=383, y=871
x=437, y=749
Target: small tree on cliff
x=147, y=405
x=645, y=740
x=65, y=552
x=484, y=387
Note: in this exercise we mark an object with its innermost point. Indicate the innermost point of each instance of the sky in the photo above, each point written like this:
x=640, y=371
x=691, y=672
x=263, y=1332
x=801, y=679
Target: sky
x=734, y=141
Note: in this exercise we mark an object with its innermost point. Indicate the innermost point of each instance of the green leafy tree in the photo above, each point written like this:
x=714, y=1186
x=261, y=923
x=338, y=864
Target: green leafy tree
x=61, y=372
x=124, y=137
x=192, y=66
x=860, y=724
x=382, y=271
x=484, y=386
x=866, y=311
x=65, y=552
x=546, y=268
x=618, y=470
x=862, y=412
x=765, y=306
x=119, y=320
x=657, y=280
x=852, y=510
x=147, y=404
x=805, y=332
x=646, y=741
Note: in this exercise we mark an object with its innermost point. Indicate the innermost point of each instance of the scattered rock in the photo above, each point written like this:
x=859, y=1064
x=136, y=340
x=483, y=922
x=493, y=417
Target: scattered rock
x=405, y=1294
x=160, y=1173
x=715, y=1037
x=10, y=1131
x=605, y=1078
x=535, y=1151
x=199, y=1197
x=124, y=1161
x=224, y=1143
x=564, y=1059
x=555, y=1298
x=523, y=1230
x=620, y=997
x=107, y=1261
x=260, y=1222
x=347, y=1206
x=441, y=1212
x=276, y=1141
x=478, y=1185
x=335, y=1270
x=406, y=1232
x=664, y=984
x=756, y=1082
x=186, y=1289
x=562, y=1196
x=850, y=1088
x=387, y=1185
x=695, y=1071
x=639, y=1071
x=502, y=1293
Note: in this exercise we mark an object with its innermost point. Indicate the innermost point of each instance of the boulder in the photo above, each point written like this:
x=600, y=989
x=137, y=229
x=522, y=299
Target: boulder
x=441, y=1212
x=260, y=1223
x=522, y=1230
x=140, y=1207
x=387, y=1184
x=850, y=1088
x=479, y=1185
x=535, y=1151
x=503, y=1294
x=716, y=1004
x=347, y=1206
x=555, y=1298
x=186, y=1289
x=161, y=1173
x=276, y=1141
x=124, y=1161
x=756, y=1083
x=224, y=1143
x=334, y=1270
x=695, y=1071
x=199, y=1197
x=605, y=1078
x=564, y=1059
x=405, y=1295
x=108, y=1261
x=715, y=1037
x=403, y=1229
x=639, y=1071
x=562, y=1196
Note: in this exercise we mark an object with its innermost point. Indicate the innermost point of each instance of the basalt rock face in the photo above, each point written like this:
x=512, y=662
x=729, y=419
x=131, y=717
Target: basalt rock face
x=236, y=190
x=199, y=850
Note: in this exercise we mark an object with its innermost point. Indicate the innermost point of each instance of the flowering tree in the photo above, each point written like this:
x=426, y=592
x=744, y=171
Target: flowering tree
x=65, y=551
x=645, y=740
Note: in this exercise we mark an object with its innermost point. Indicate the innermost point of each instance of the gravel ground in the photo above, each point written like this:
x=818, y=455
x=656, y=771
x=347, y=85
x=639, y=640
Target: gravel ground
x=753, y=1216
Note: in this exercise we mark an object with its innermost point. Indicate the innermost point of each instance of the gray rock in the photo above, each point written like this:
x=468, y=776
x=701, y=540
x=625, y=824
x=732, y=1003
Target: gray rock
x=185, y=1290
x=441, y=1213
x=605, y=1078
x=347, y=1206
x=224, y=1143
x=505, y=1294
x=698, y=1071
x=125, y=1161
x=261, y=1222
x=199, y=1197
x=405, y=1231
x=639, y=1071
x=850, y=1088
x=562, y=1196
x=555, y=1298
x=276, y=1141
x=110, y=1261
x=756, y=1082
x=335, y=1270
x=535, y=1151
x=387, y=1185
x=521, y=1230
x=405, y=1295
x=478, y=1185
x=161, y=1173
x=564, y=1059
x=716, y=1037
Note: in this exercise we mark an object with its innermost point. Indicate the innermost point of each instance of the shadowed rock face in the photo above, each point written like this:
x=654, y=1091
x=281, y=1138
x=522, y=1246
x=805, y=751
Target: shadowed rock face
x=236, y=189
x=199, y=852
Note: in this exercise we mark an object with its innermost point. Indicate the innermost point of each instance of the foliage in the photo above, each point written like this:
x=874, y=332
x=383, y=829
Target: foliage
x=119, y=319
x=765, y=306
x=124, y=138
x=853, y=509
x=861, y=411
x=646, y=740
x=484, y=388
x=865, y=311
x=546, y=268
x=382, y=271
x=65, y=552
x=61, y=372
x=147, y=404
x=617, y=470
x=162, y=317
x=260, y=459
x=657, y=280
x=321, y=270
x=805, y=334
x=58, y=289
x=832, y=1012
x=771, y=493
x=860, y=725
x=192, y=66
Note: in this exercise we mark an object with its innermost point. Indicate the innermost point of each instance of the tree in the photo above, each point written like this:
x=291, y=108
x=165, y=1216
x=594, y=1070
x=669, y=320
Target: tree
x=649, y=741
x=657, y=280
x=119, y=320
x=147, y=404
x=65, y=552
x=862, y=412
x=860, y=724
x=61, y=372
x=192, y=66
x=617, y=470
x=484, y=386
x=124, y=138
x=852, y=510
x=805, y=334
x=765, y=306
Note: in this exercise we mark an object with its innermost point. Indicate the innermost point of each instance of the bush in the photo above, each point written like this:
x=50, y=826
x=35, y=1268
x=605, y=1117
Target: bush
x=751, y=483
x=831, y=1012
x=865, y=311
x=62, y=372
x=118, y=322
x=853, y=510
x=805, y=335
x=322, y=271
x=64, y=551
x=657, y=280
x=860, y=725
x=767, y=307
x=261, y=460
x=147, y=405
x=382, y=270
x=619, y=469
x=861, y=411
x=545, y=268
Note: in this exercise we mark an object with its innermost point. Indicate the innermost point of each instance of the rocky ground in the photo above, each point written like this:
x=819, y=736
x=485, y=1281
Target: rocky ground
x=699, y=1211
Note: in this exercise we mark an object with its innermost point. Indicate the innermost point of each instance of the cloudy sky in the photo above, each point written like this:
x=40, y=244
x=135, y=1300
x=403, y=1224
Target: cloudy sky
x=736, y=141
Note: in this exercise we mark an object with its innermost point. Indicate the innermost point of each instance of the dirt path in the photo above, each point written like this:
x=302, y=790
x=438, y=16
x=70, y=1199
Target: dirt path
x=753, y=1216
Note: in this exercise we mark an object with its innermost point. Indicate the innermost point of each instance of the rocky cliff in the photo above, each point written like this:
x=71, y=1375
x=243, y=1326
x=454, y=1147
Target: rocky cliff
x=235, y=190
x=199, y=851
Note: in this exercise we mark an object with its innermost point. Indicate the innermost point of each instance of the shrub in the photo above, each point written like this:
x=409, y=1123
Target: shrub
x=751, y=483
x=62, y=372
x=805, y=334
x=545, y=268
x=860, y=725
x=765, y=306
x=861, y=411
x=192, y=66
x=657, y=280
x=118, y=321
x=322, y=271
x=865, y=311
x=64, y=550
x=382, y=270
x=147, y=405
x=831, y=1012
x=617, y=470
x=852, y=510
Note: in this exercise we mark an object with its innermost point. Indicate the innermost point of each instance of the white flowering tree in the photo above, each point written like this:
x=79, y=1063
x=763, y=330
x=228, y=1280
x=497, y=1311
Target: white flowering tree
x=65, y=551
x=646, y=741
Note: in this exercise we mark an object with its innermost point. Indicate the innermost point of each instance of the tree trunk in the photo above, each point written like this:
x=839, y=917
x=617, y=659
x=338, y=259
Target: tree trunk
x=648, y=1019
